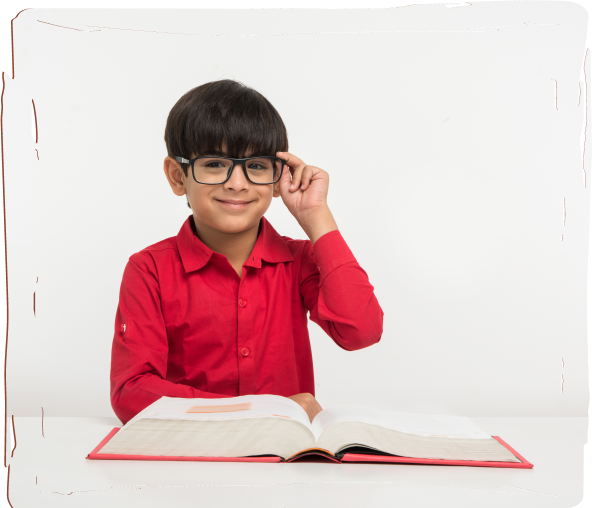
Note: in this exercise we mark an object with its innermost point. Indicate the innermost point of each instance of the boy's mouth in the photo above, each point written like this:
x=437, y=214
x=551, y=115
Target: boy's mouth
x=234, y=204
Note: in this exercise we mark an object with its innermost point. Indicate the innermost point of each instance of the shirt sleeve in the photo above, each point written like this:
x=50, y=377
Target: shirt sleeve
x=337, y=292
x=139, y=354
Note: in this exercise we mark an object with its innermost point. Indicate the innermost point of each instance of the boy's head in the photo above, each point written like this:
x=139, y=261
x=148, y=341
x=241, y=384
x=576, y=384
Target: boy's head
x=229, y=119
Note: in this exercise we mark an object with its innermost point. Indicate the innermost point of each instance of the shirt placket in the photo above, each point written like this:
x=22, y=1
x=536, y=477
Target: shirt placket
x=246, y=348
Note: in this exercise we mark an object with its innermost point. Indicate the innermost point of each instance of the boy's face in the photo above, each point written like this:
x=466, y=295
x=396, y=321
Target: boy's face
x=212, y=205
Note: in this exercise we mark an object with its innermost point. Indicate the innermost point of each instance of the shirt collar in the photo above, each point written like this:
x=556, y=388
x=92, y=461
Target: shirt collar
x=270, y=247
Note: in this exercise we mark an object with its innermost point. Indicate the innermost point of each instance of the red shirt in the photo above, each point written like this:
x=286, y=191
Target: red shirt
x=188, y=326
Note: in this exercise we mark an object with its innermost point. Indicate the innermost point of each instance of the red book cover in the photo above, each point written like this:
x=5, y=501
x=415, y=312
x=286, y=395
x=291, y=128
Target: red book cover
x=348, y=457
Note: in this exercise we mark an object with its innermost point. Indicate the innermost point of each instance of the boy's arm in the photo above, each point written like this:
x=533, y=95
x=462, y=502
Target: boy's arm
x=337, y=292
x=333, y=285
x=140, y=348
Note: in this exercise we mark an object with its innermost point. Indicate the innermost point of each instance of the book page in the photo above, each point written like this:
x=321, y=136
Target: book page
x=230, y=408
x=418, y=424
x=344, y=434
x=238, y=437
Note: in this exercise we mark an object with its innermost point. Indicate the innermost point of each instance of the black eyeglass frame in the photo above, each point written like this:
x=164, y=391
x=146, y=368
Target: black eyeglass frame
x=243, y=161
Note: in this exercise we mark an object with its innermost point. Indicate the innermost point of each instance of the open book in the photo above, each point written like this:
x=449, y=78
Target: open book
x=270, y=428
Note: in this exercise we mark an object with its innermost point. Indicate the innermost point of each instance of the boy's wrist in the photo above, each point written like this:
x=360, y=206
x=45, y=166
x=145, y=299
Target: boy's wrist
x=317, y=223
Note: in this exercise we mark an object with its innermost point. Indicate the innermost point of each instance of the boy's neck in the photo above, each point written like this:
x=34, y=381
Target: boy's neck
x=235, y=246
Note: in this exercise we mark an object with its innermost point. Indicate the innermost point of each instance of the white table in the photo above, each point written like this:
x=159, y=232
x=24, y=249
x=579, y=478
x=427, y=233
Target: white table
x=52, y=470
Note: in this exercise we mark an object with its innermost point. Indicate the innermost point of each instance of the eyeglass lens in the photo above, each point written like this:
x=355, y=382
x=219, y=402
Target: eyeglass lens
x=262, y=170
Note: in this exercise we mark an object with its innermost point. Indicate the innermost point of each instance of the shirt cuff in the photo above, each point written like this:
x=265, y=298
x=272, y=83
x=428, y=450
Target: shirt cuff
x=330, y=252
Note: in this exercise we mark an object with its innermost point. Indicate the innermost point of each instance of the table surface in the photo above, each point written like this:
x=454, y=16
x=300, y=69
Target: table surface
x=49, y=468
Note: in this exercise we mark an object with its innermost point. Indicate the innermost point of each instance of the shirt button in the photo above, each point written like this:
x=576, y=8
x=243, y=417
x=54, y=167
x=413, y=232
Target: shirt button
x=122, y=328
x=318, y=269
x=242, y=302
x=244, y=352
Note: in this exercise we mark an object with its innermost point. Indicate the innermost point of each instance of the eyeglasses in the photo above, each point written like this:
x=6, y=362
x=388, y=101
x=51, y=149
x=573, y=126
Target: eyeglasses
x=210, y=170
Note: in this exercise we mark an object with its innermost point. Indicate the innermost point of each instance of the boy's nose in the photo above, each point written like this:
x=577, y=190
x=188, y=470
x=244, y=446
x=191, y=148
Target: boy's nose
x=237, y=179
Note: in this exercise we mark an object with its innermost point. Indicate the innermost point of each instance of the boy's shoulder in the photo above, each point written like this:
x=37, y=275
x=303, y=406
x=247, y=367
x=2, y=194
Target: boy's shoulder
x=302, y=250
x=148, y=255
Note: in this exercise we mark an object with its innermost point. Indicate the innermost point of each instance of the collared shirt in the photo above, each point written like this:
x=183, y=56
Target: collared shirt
x=188, y=326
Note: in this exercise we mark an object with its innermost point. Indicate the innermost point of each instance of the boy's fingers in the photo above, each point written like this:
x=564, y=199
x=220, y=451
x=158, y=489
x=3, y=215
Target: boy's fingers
x=291, y=159
x=318, y=406
x=286, y=180
x=307, y=176
x=302, y=177
x=313, y=412
x=286, y=175
x=315, y=407
x=296, y=179
x=296, y=167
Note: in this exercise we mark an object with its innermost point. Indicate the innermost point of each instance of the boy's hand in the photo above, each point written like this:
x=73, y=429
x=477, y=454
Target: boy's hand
x=308, y=403
x=304, y=191
x=303, y=188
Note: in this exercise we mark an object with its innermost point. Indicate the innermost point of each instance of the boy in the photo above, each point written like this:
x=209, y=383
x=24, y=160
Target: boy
x=220, y=310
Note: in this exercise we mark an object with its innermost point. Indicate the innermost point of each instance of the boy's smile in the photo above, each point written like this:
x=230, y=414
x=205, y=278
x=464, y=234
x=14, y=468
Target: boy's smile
x=234, y=204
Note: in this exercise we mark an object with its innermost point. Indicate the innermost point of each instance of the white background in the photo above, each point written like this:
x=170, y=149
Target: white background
x=448, y=182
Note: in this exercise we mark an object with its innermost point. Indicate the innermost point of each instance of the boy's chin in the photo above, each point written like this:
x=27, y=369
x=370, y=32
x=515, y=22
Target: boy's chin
x=233, y=225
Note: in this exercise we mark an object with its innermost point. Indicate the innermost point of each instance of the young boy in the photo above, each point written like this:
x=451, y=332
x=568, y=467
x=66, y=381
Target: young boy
x=220, y=310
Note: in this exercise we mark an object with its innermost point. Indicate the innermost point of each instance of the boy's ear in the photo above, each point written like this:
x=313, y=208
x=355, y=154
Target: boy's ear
x=175, y=176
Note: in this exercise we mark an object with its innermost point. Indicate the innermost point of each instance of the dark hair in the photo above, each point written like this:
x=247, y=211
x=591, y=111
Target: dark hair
x=224, y=111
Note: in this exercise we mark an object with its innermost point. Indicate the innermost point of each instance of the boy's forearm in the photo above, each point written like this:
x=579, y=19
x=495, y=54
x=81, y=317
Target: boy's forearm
x=318, y=223
x=131, y=398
